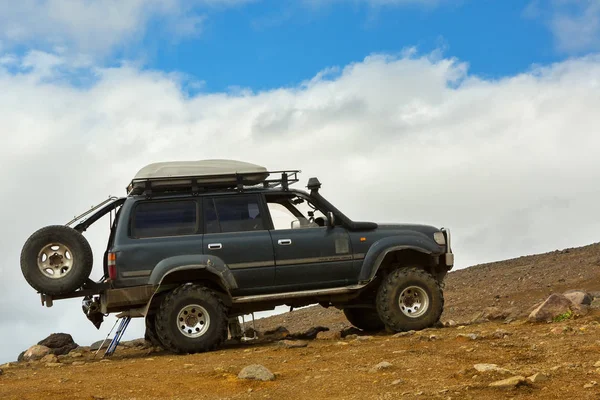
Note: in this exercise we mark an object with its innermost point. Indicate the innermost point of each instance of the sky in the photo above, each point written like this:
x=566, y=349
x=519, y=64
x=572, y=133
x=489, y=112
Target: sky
x=479, y=116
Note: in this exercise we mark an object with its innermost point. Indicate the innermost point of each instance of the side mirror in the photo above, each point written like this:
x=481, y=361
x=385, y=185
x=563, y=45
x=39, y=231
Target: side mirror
x=330, y=219
x=296, y=224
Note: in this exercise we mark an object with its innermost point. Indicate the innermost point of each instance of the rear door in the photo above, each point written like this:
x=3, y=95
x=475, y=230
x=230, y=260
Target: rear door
x=234, y=231
x=308, y=253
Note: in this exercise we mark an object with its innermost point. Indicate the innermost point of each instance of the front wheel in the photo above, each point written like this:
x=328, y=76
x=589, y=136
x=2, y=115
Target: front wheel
x=191, y=319
x=409, y=299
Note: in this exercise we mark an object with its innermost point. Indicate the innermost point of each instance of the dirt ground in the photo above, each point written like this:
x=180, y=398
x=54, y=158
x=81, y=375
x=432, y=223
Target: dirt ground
x=430, y=364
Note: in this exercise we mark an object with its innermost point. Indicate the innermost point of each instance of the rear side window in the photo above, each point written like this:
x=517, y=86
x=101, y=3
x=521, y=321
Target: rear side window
x=232, y=214
x=165, y=218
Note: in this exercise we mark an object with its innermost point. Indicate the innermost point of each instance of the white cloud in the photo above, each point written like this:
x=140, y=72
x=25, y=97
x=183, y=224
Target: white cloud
x=98, y=26
x=508, y=164
x=575, y=24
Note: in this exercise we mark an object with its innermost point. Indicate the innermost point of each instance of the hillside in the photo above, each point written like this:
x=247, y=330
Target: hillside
x=445, y=363
x=515, y=284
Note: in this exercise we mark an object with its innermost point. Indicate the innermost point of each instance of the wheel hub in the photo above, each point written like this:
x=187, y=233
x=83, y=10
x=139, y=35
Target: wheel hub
x=55, y=260
x=193, y=321
x=413, y=301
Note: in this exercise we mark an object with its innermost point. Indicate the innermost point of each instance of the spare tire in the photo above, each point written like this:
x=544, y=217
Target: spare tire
x=56, y=260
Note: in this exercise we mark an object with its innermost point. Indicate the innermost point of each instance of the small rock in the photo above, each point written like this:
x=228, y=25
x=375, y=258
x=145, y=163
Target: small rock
x=509, y=383
x=350, y=331
x=75, y=354
x=403, y=334
x=53, y=364
x=597, y=364
x=595, y=303
x=49, y=358
x=433, y=337
x=292, y=344
x=361, y=338
x=450, y=323
x=78, y=363
x=277, y=334
x=536, y=378
x=472, y=336
x=590, y=385
x=256, y=372
x=381, y=366
x=186, y=366
x=96, y=345
x=351, y=337
x=35, y=352
x=309, y=334
x=397, y=382
x=341, y=344
x=490, y=368
x=500, y=334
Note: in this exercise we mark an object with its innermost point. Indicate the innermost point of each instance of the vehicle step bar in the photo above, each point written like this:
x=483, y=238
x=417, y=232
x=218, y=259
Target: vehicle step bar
x=291, y=295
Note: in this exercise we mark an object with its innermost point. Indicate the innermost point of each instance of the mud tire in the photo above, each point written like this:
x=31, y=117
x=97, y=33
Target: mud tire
x=81, y=260
x=388, y=299
x=171, y=337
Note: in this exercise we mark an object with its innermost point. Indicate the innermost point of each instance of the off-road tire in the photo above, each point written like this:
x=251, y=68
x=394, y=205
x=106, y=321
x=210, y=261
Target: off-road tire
x=81, y=257
x=150, y=335
x=388, y=296
x=366, y=319
x=167, y=329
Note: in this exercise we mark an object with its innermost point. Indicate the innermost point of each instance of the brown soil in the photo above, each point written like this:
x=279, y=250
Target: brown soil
x=423, y=366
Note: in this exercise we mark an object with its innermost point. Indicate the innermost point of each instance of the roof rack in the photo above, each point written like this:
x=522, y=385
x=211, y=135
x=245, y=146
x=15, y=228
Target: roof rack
x=202, y=183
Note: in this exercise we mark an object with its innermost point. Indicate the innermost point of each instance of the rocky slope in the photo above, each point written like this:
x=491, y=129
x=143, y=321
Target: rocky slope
x=470, y=358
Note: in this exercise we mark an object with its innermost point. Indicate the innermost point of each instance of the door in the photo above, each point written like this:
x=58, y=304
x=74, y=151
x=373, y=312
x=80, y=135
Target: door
x=308, y=253
x=234, y=231
x=158, y=229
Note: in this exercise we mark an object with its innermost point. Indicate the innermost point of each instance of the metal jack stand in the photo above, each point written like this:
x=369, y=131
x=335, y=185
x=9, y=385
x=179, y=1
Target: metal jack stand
x=244, y=337
x=118, y=335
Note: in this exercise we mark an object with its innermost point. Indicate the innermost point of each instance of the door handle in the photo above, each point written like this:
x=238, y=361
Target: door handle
x=284, y=242
x=215, y=246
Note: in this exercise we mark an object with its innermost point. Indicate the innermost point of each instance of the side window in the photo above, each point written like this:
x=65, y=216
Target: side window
x=293, y=212
x=164, y=218
x=232, y=214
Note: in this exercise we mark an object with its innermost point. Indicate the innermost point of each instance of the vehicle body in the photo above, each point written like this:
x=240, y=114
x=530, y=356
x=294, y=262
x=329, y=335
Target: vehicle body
x=250, y=244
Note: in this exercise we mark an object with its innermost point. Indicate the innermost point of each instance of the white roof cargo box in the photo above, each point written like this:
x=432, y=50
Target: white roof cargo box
x=179, y=174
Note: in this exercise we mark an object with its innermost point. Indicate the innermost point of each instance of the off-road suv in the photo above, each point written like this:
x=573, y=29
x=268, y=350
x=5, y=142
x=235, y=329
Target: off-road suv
x=194, y=245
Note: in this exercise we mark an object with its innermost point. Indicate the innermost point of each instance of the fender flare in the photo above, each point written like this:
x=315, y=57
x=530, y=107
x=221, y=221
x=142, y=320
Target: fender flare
x=212, y=264
x=409, y=241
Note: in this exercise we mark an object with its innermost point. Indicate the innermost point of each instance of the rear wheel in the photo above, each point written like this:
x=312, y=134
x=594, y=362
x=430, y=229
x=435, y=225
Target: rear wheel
x=56, y=260
x=150, y=334
x=366, y=319
x=409, y=299
x=191, y=319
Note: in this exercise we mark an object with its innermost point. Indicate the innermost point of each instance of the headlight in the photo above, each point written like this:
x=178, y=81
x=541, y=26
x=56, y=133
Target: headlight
x=439, y=238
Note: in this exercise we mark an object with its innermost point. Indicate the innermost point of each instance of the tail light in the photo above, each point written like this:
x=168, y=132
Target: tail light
x=112, y=266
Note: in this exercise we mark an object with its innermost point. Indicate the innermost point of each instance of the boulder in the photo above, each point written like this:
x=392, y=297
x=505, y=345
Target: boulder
x=59, y=343
x=35, y=352
x=256, y=372
x=579, y=297
x=555, y=305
